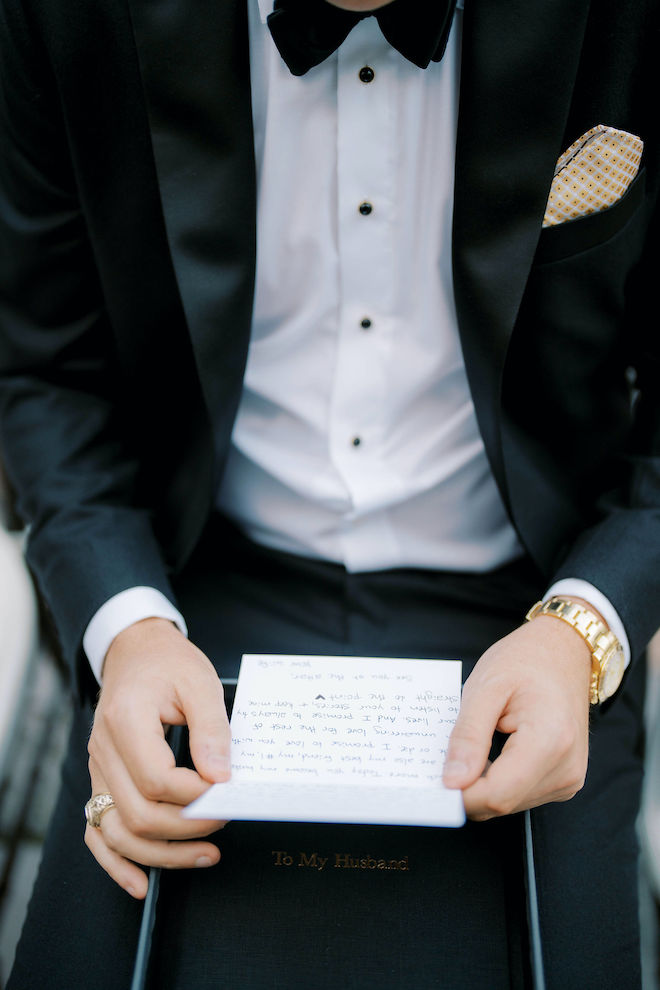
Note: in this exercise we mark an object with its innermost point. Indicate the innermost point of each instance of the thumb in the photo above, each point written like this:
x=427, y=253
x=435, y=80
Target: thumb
x=471, y=738
x=209, y=733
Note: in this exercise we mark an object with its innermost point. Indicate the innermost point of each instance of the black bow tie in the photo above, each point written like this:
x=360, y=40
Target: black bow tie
x=306, y=32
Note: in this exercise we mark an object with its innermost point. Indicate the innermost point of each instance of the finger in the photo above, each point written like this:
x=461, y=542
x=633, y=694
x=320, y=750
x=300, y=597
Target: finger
x=118, y=850
x=143, y=753
x=524, y=775
x=170, y=855
x=472, y=736
x=209, y=733
x=126, y=874
x=141, y=816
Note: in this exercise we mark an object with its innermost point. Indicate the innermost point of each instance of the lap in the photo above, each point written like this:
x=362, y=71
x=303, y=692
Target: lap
x=452, y=906
x=587, y=853
x=81, y=929
x=457, y=909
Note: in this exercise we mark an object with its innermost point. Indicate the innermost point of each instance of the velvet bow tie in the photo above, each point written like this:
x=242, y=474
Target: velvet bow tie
x=306, y=32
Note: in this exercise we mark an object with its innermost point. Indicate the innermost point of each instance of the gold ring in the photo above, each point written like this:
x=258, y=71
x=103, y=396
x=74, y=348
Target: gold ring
x=95, y=808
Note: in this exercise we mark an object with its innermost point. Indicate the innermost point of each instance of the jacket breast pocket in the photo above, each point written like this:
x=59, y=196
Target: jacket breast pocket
x=578, y=235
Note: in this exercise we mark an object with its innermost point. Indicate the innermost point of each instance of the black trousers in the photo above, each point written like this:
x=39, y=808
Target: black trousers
x=454, y=918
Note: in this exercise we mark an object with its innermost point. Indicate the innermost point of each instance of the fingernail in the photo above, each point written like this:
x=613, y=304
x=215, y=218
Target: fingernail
x=455, y=768
x=204, y=861
x=131, y=891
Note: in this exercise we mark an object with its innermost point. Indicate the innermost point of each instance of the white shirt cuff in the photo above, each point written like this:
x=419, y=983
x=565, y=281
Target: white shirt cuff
x=120, y=612
x=576, y=588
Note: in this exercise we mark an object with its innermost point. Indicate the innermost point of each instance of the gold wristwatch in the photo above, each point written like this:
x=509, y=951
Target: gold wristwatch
x=607, y=660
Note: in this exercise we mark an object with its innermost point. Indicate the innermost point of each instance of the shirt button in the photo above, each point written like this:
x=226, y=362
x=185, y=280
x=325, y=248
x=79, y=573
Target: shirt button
x=365, y=209
x=366, y=74
x=356, y=441
x=365, y=323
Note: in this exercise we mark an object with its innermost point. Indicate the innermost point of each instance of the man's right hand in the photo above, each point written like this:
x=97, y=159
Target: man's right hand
x=154, y=677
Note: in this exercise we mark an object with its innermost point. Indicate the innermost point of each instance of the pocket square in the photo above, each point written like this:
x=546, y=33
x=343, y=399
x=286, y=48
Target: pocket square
x=592, y=174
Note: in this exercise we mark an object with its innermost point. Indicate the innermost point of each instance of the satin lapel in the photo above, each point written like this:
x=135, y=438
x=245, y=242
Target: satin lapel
x=518, y=68
x=195, y=71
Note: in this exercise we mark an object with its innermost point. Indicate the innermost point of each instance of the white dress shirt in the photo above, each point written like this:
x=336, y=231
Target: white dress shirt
x=359, y=444
x=356, y=439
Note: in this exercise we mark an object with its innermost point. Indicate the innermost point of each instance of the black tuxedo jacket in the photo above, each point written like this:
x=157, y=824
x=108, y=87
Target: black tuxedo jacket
x=127, y=221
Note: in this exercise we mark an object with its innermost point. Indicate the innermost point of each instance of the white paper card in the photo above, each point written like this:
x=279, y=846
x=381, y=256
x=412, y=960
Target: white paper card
x=340, y=739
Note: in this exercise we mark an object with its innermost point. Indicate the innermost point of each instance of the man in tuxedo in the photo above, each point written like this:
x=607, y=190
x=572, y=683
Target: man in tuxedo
x=447, y=413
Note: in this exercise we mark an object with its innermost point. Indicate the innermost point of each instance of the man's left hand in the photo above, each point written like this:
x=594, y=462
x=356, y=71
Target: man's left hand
x=533, y=685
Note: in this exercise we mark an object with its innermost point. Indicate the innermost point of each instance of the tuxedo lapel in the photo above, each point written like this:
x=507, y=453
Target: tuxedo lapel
x=195, y=71
x=518, y=68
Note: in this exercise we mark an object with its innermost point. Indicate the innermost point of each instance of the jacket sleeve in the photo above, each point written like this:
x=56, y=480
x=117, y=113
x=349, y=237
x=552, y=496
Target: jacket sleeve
x=620, y=553
x=65, y=440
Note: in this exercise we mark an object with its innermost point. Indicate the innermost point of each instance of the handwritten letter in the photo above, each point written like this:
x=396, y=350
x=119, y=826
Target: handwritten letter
x=340, y=739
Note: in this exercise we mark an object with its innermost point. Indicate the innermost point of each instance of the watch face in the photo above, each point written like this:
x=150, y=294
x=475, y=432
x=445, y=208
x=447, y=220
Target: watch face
x=610, y=675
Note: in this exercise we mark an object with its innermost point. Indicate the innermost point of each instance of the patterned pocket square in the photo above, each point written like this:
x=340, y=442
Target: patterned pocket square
x=592, y=174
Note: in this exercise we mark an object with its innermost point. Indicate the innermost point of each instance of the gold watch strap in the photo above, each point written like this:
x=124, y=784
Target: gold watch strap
x=602, y=642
